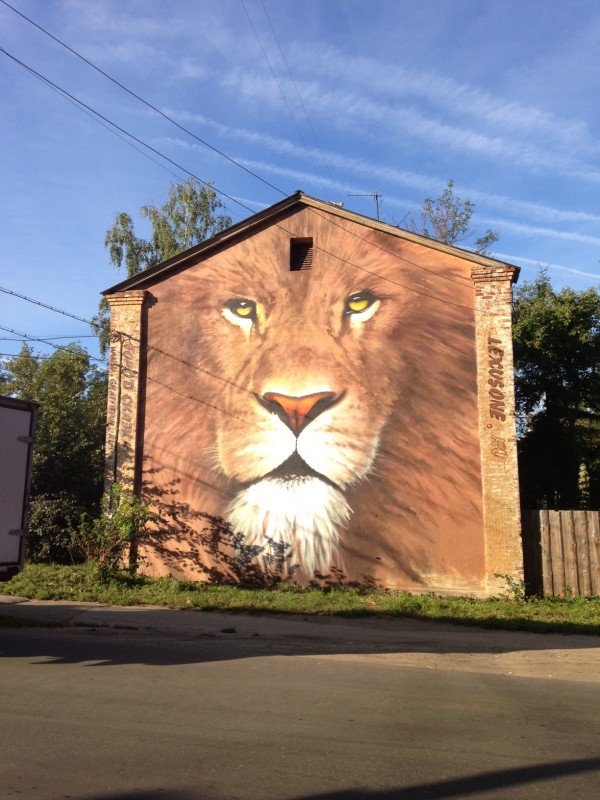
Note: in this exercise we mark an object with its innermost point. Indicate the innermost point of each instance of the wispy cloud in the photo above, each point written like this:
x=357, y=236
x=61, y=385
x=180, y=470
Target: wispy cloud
x=386, y=175
x=532, y=263
x=359, y=114
x=532, y=230
x=457, y=99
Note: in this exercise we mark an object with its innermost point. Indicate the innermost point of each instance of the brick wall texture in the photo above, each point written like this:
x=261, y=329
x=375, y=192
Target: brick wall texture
x=124, y=388
x=497, y=428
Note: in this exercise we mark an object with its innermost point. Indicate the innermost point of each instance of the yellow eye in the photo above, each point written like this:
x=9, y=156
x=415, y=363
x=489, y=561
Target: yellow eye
x=245, y=309
x=360, y=302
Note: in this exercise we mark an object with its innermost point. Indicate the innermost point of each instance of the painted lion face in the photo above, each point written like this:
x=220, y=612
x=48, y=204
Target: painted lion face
x=327, y=414
x=308, y=392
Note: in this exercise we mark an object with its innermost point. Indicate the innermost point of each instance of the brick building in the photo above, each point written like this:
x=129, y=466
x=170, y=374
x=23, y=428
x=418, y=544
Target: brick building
x=316, y=396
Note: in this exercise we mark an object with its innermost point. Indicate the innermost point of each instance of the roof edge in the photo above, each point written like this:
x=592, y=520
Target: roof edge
x=303, y=199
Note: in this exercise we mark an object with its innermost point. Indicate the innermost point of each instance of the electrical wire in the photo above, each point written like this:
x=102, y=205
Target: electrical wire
x=83, y=105
x=74, y=336
x=460, y=281
x=145, y=102
x=28, y=338
x=115, y=133
x=287, y=66
x=284, y=98
x=37, y=357
x=46, y=81
x=44, y=305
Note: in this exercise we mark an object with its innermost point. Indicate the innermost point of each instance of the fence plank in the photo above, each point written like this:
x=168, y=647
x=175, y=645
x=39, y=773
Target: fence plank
x=594, y=543
x=556, y=553
x=547, y=570
x=561, y=552
x=530, y=536
x=567, y=523
x=583, y=553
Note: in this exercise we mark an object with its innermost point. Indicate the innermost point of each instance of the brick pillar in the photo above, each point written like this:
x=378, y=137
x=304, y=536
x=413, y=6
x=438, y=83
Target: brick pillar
x=497, y=428
x=123, y=388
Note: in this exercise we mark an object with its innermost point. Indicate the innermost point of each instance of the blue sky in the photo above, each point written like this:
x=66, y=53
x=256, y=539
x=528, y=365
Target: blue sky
x=334, y=97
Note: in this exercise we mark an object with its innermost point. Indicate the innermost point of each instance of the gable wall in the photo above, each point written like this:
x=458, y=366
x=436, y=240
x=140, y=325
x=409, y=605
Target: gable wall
x=401, y=443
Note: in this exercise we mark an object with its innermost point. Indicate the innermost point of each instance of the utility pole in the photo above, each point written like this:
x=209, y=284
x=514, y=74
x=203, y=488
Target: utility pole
x=376, y=196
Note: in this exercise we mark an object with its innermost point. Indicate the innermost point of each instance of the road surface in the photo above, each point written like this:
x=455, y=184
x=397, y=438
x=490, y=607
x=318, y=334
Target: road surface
x=237, y=709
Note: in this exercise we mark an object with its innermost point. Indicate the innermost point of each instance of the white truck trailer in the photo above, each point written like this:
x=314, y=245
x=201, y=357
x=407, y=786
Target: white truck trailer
x=17, y=430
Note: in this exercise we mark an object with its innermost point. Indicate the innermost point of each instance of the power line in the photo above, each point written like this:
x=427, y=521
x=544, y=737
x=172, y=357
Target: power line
x=334, y=182
x=114, y=133
x=287, y=105
x=83, y=105
x=78, y=336
x=460, y=282
x=145, y=102
x=223, y=194
x=37, y=357
x=28, y=338
x=44, y=305
x=82, y=319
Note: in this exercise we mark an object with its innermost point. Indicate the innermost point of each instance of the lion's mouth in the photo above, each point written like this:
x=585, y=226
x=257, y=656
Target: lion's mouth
x=294, y=468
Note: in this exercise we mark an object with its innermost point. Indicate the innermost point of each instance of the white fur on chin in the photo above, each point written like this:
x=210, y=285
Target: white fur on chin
x=304, y=513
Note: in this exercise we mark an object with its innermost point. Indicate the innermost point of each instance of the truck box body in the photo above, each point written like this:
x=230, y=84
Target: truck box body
x=17, y=429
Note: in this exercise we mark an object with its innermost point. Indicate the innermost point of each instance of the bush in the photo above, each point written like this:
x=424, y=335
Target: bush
x=51, y=522
x=108, y=539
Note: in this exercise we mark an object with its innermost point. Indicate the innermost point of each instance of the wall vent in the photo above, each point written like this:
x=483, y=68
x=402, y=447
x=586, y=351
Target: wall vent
x=301, y=254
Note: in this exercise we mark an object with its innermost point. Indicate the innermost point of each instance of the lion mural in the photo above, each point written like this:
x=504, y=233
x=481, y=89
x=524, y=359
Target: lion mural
x=327, y=414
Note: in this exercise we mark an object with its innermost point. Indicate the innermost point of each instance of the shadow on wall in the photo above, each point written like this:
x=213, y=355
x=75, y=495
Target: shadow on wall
x=185, y=540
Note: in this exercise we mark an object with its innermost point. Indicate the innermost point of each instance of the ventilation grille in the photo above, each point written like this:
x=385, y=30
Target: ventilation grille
x=301, y=254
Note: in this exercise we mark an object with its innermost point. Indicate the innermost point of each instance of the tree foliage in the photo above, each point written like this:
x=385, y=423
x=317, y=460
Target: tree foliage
x=189, y=216
x=557, y=371
x=68, y=457
x=447, y=219
x=557, y=363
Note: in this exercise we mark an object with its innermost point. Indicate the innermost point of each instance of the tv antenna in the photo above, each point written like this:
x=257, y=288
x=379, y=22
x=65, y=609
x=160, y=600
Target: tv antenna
x=376, y=196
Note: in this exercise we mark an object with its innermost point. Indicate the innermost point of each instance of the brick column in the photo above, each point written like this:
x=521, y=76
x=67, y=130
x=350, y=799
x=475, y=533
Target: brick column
x=123, y=388
x=497, y=428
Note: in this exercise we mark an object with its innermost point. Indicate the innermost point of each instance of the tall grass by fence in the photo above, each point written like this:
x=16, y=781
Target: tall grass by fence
x=561, y=552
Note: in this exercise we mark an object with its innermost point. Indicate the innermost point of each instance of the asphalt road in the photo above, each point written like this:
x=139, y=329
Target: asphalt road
x=130, y=714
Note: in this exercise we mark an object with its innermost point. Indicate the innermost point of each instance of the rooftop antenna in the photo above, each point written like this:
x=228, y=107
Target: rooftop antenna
x=376, y=196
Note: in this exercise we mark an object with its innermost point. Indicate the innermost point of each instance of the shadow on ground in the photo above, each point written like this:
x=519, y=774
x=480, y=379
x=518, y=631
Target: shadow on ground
x=164, y=637
x=469, y=786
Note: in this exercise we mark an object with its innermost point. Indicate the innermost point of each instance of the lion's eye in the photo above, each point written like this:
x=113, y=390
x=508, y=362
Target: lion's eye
x=360, y=302
x=245, y=309
x=242, y=313
x=360, y=307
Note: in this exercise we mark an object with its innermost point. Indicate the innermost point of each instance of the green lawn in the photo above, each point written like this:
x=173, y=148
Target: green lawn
x=53, y=582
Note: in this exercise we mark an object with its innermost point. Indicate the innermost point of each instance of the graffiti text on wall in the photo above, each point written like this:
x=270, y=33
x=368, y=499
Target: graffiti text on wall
x=496, y=379
x=499, y=450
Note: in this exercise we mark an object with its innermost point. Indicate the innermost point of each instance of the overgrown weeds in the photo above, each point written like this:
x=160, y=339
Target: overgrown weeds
x=108, y=539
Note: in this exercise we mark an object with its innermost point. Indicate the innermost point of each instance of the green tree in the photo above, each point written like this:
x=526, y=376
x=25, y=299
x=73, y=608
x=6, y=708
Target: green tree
x=557, y=382
x=189, y=216
x=447, y=218
x=68, y=456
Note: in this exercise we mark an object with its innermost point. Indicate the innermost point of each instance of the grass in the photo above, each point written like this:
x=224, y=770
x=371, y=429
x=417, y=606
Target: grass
x=511, y=612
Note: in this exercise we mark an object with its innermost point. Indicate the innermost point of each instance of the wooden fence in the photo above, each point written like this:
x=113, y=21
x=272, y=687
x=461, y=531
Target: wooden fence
x=561, y=552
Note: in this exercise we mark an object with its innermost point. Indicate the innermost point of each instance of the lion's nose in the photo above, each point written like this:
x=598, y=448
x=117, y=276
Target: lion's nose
x=298, y=412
